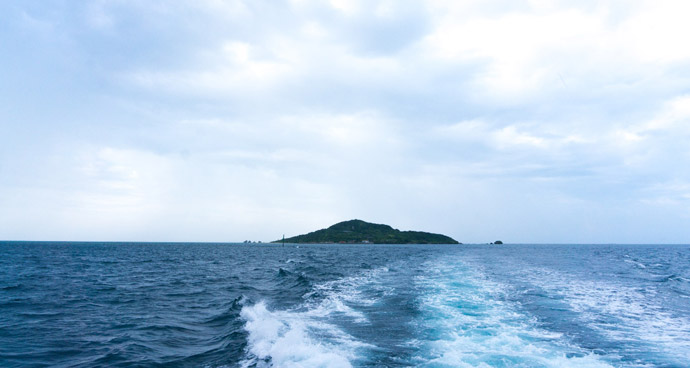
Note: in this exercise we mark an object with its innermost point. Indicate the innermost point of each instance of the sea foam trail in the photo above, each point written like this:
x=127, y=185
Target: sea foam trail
x=628, y=316
x=466, y=323
x=288, y=339
x=307, y=336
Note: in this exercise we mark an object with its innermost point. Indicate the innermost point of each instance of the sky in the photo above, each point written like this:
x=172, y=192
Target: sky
x=225, y=120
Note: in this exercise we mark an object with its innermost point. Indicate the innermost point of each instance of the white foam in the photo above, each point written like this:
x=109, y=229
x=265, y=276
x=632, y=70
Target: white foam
x=637, y=313
x=467, y=324
x=289, y=339
x=636, y=263
x=348, y=290
x=306, y=336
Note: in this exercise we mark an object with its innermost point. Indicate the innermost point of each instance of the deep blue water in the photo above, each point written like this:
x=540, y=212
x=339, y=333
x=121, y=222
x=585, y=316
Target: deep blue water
x=234, y=305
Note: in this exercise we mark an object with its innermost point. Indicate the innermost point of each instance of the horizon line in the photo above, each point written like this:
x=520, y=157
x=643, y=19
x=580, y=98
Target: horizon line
x=271, y=242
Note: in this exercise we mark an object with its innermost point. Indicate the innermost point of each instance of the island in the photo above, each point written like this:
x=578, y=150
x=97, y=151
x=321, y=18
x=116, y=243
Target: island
x=358, y=231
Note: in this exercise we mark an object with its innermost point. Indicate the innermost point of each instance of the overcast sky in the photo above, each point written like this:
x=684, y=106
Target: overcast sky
x=222, y=120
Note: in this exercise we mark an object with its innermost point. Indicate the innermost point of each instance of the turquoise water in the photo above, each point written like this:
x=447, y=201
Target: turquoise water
x=235, y=305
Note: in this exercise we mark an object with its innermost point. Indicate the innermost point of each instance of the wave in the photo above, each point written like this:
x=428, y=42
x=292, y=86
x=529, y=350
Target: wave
x=296, y=282
x=11, y=287
x=309, y=335
x=668, y=278
x=291, y=339
x=635, y=263
x=228, y=315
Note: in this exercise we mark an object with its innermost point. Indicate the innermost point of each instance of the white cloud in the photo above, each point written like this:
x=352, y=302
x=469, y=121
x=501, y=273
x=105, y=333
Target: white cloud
x=655, y=32
x=513, y=46
x=668, y=126
x=674, y=117
x=348, y=7
x=514, y=136
x=235, y=67
x=530, y=52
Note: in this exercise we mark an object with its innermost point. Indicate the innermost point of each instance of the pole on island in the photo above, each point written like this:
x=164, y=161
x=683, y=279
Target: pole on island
x=283, y=239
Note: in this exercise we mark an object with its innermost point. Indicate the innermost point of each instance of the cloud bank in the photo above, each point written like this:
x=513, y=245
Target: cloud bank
x=528, y=121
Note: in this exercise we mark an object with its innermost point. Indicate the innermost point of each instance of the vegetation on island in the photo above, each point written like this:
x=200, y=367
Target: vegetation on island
x=358, y=231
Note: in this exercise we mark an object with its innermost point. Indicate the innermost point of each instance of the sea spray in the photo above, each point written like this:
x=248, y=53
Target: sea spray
x=308, y=335
x=291, y=339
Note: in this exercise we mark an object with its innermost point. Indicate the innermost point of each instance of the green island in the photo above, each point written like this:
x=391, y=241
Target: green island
x=358, y=231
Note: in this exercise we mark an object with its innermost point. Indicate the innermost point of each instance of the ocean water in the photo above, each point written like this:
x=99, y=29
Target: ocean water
x=263, y=305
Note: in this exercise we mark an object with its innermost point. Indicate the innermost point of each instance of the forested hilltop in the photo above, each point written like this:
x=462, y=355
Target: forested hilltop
x=358, y=231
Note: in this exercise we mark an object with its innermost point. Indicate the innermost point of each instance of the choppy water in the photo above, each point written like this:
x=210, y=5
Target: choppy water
x=232, y=305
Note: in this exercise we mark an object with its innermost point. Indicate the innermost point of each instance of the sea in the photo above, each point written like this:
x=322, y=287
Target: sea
x=66, y=304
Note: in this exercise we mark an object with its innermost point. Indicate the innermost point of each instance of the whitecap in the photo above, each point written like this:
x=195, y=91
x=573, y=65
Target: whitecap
x=291, y=339
x=306, y=335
